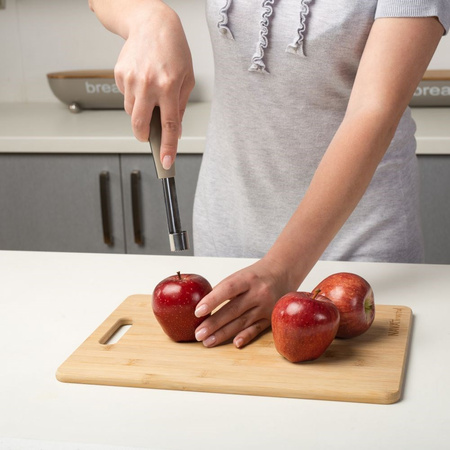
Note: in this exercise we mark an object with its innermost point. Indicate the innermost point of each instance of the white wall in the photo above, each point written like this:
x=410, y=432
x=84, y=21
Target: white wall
x=41, y=36
x=441, y=59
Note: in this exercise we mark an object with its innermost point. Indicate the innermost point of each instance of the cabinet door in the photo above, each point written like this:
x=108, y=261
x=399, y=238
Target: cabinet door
x=52, y=202
x=435, y=198
x=146, y=228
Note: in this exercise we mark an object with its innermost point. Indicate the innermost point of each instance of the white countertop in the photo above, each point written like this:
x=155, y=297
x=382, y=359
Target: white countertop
x=433, y=130
x=51, y=302
x=51, y=128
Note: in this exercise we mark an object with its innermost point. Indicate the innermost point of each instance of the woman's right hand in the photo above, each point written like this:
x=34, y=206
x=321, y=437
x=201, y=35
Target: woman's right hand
x=154, y=67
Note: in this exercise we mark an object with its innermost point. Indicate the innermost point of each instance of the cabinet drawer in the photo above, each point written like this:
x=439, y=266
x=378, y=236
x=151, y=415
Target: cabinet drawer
x=51, y=202
x=435, y=207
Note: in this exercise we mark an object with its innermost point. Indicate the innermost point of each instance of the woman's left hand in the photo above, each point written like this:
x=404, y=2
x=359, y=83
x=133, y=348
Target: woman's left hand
x=252, y=293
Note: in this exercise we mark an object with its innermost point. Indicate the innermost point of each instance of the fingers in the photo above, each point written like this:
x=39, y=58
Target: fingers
x=139, y=105
x=139, y=102
x=240, y=306
x=251, y=332
x=233, y=317
x=173, y=106
x=243, y=317
x=216, y=329
x=229, y=288
x=141, y=115
x=185, y=92
x=171, y=130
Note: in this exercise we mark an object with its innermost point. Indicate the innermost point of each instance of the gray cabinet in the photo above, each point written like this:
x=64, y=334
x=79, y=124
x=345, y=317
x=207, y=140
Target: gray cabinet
x=435, y=199
x=54, y=202
x=85, y=203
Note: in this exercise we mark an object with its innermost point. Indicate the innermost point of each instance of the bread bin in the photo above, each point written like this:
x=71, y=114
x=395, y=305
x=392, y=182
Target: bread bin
x=433, y=90
x=86, y=89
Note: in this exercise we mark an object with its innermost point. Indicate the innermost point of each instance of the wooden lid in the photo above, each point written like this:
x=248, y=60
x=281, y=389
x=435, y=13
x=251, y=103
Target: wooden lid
x=434, y=75
x=82, y=74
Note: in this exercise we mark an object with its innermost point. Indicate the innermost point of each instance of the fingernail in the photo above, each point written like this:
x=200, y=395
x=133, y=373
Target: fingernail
x=201, y=311
x=167, y=162
x=200, y=334
x=239, y=342
x=210, y=341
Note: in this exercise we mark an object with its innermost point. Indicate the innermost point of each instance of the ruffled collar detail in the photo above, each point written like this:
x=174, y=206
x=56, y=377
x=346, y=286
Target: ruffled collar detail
x=296, y=47
x=258, y=64
x=222, y=25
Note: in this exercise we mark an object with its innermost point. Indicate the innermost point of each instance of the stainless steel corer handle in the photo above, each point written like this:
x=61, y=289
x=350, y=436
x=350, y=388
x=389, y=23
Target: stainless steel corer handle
x=178, y=238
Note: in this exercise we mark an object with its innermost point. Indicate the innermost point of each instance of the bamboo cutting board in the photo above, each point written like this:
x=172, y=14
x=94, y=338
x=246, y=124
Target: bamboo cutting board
x=369, y=368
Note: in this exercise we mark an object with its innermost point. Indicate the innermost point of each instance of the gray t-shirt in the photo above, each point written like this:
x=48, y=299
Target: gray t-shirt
x=284, y=71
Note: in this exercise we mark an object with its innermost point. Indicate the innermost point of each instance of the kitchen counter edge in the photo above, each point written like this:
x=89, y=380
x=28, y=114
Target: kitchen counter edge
x=50, y=128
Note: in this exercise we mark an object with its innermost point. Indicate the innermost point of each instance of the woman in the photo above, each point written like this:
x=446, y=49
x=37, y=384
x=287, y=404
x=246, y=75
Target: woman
x=310, y=151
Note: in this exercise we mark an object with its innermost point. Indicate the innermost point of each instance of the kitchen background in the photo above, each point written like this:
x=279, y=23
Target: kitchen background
x=41, y=36
x=52, y=161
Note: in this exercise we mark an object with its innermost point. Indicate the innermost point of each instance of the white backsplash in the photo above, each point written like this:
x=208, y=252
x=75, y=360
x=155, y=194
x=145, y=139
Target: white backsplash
x=42, y=36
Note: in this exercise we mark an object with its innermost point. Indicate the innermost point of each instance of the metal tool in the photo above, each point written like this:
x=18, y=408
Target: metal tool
x=177, y=237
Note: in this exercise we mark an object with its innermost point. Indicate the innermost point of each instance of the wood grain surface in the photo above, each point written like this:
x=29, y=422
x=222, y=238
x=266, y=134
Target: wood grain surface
x=369, y=368
x=436, y=75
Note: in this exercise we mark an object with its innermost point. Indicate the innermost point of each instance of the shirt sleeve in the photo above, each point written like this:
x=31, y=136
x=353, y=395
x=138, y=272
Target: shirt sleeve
x=415, y=8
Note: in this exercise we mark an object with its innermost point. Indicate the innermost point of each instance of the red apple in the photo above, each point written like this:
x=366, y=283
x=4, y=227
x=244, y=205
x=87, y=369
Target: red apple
x=174, y=300
x=304, y=325
x=354, y=298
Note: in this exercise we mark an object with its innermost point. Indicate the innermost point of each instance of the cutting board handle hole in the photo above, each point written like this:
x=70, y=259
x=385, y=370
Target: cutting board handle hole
x=116, y=332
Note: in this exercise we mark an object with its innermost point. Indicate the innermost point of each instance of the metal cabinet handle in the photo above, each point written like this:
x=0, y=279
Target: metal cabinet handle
x=136, y=206
x=105, y=207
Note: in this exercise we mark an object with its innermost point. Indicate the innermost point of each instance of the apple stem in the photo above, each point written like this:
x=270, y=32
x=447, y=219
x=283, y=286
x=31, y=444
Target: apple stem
x=315, y=293
x=179, y=275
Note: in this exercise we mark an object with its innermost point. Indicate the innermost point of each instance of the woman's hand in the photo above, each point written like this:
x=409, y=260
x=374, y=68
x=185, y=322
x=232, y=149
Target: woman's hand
x=154, y=67
x=252, y=293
